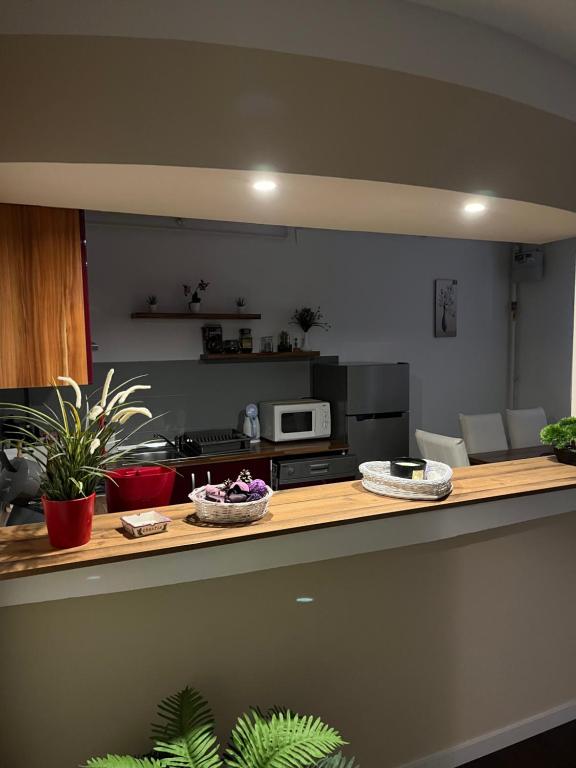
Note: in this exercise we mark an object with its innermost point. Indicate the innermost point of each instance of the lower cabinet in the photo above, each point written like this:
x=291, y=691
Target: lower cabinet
x=195, y=475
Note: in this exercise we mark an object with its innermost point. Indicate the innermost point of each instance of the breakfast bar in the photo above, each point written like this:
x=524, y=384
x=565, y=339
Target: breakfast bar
x=302, y=525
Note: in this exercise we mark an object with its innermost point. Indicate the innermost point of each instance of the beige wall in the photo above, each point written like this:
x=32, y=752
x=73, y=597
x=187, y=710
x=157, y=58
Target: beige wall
x=183, y=103
x=407, y=651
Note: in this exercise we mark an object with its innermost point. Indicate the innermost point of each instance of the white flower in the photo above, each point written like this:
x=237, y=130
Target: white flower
x=93, y=445
x=94, y=412
x=75, y=387
x=112, y=403
x=106, y=387
x=128, y=392
x=122, y=416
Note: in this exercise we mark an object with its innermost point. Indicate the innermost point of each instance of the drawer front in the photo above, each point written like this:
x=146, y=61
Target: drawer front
x=317, y=468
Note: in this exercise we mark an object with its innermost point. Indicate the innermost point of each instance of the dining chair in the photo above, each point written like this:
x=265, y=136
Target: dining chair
x=483, y=432
x=524, y=426
x=449, y=450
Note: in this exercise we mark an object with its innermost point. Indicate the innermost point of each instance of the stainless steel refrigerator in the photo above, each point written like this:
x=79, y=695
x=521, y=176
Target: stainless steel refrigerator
x=369, y=406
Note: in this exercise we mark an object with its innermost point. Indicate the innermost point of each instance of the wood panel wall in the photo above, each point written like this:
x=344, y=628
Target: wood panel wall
x=42, y=300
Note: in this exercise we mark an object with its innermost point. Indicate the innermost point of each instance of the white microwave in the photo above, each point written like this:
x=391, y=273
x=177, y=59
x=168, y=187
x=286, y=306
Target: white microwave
x=294, y=419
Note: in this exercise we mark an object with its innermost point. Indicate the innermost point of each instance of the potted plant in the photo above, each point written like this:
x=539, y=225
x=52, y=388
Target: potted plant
x=152, y=302
x=307, y=318
x=241, y=304
x=73, y=446
x=186, y=738
x=195, y=298
x=562, y=436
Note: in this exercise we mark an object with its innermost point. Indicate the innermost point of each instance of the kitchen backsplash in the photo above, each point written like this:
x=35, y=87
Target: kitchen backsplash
x=188, y=395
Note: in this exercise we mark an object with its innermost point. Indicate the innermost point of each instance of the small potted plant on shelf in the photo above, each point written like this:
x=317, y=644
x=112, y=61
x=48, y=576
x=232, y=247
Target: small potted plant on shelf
x=307, y=318
x=186, y=737
x=562, y=437
x=75, y=446
x=240, y=304
x=195, y=299
x=152, y=302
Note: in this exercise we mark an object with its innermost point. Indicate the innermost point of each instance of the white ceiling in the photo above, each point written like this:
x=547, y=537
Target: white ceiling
x=300, y=201
x=548, y=24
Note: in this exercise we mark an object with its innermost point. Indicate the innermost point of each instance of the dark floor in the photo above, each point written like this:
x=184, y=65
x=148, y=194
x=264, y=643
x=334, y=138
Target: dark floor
x=552, y=749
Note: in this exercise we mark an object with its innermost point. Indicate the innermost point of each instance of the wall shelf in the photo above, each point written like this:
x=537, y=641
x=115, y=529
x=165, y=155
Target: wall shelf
x=259, y=357
x=194, y=316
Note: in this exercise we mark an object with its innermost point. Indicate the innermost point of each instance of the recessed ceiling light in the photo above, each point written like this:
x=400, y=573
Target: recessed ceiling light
x=304, y=600
x=474, y=208
x=264, y=185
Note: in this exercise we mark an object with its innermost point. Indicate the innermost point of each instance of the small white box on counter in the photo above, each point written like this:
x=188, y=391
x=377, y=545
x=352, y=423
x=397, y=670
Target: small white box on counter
x=145, y=523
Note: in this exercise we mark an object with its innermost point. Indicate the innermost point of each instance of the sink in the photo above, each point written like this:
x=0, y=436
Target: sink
x=152, y=455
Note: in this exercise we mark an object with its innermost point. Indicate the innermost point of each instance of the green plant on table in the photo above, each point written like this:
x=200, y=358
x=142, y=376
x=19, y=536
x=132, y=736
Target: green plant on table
x=76, y=444
x=279, y=739
x=562, y=434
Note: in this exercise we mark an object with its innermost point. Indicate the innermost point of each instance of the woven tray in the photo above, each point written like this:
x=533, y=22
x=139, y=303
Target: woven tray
x=229, y=514
x=436, y=485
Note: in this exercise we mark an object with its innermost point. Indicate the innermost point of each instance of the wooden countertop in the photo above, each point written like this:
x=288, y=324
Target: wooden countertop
x=267, y=450
x=25, y=550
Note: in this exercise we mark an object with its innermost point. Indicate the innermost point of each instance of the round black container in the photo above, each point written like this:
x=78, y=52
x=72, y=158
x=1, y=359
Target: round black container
x=411, y=469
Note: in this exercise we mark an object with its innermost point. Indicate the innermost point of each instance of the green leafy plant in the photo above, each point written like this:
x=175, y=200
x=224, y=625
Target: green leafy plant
x=76, y=444
x=240, y=302
x=279, y=739
x=307, y=318
x=151, y=300
x=562, y=434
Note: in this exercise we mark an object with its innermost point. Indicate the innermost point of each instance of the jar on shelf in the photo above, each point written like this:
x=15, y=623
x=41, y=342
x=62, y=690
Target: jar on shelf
x=284, y=343
x=267, y=344
x=246, y=340
x=212, y=338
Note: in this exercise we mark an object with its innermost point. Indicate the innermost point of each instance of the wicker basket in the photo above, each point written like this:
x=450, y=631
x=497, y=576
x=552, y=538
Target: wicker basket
x=229, y=514
x=436, y=485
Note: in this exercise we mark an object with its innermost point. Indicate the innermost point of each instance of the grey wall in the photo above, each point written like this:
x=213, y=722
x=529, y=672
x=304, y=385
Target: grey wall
x=545, y=331
x=376, y=290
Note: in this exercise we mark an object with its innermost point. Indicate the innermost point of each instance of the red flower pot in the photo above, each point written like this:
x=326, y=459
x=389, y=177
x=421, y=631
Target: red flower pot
x=69, y=522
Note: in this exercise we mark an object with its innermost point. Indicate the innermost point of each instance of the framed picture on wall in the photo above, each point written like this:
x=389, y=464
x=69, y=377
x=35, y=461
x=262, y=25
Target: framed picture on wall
x=445, y=314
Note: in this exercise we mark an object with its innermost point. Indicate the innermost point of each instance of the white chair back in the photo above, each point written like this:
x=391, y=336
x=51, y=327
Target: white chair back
x=483, y=432
x=524, y=426
x=449, y=450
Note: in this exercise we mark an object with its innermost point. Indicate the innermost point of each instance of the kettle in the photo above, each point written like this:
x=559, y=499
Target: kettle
x=252, y=423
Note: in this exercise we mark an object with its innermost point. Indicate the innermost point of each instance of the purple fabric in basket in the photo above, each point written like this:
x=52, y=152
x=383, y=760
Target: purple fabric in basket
x=254, y=497
x=237, y=498
x=258, y=486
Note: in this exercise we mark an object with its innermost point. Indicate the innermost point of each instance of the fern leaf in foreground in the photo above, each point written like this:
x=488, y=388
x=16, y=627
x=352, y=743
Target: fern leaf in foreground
x=337, y=761
x=187, y=734
x=285, y=740
x=123, y=761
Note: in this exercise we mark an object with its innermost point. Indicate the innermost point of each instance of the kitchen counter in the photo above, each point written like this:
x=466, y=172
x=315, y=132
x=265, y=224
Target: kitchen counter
x=266, y=450
x=302, y=525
